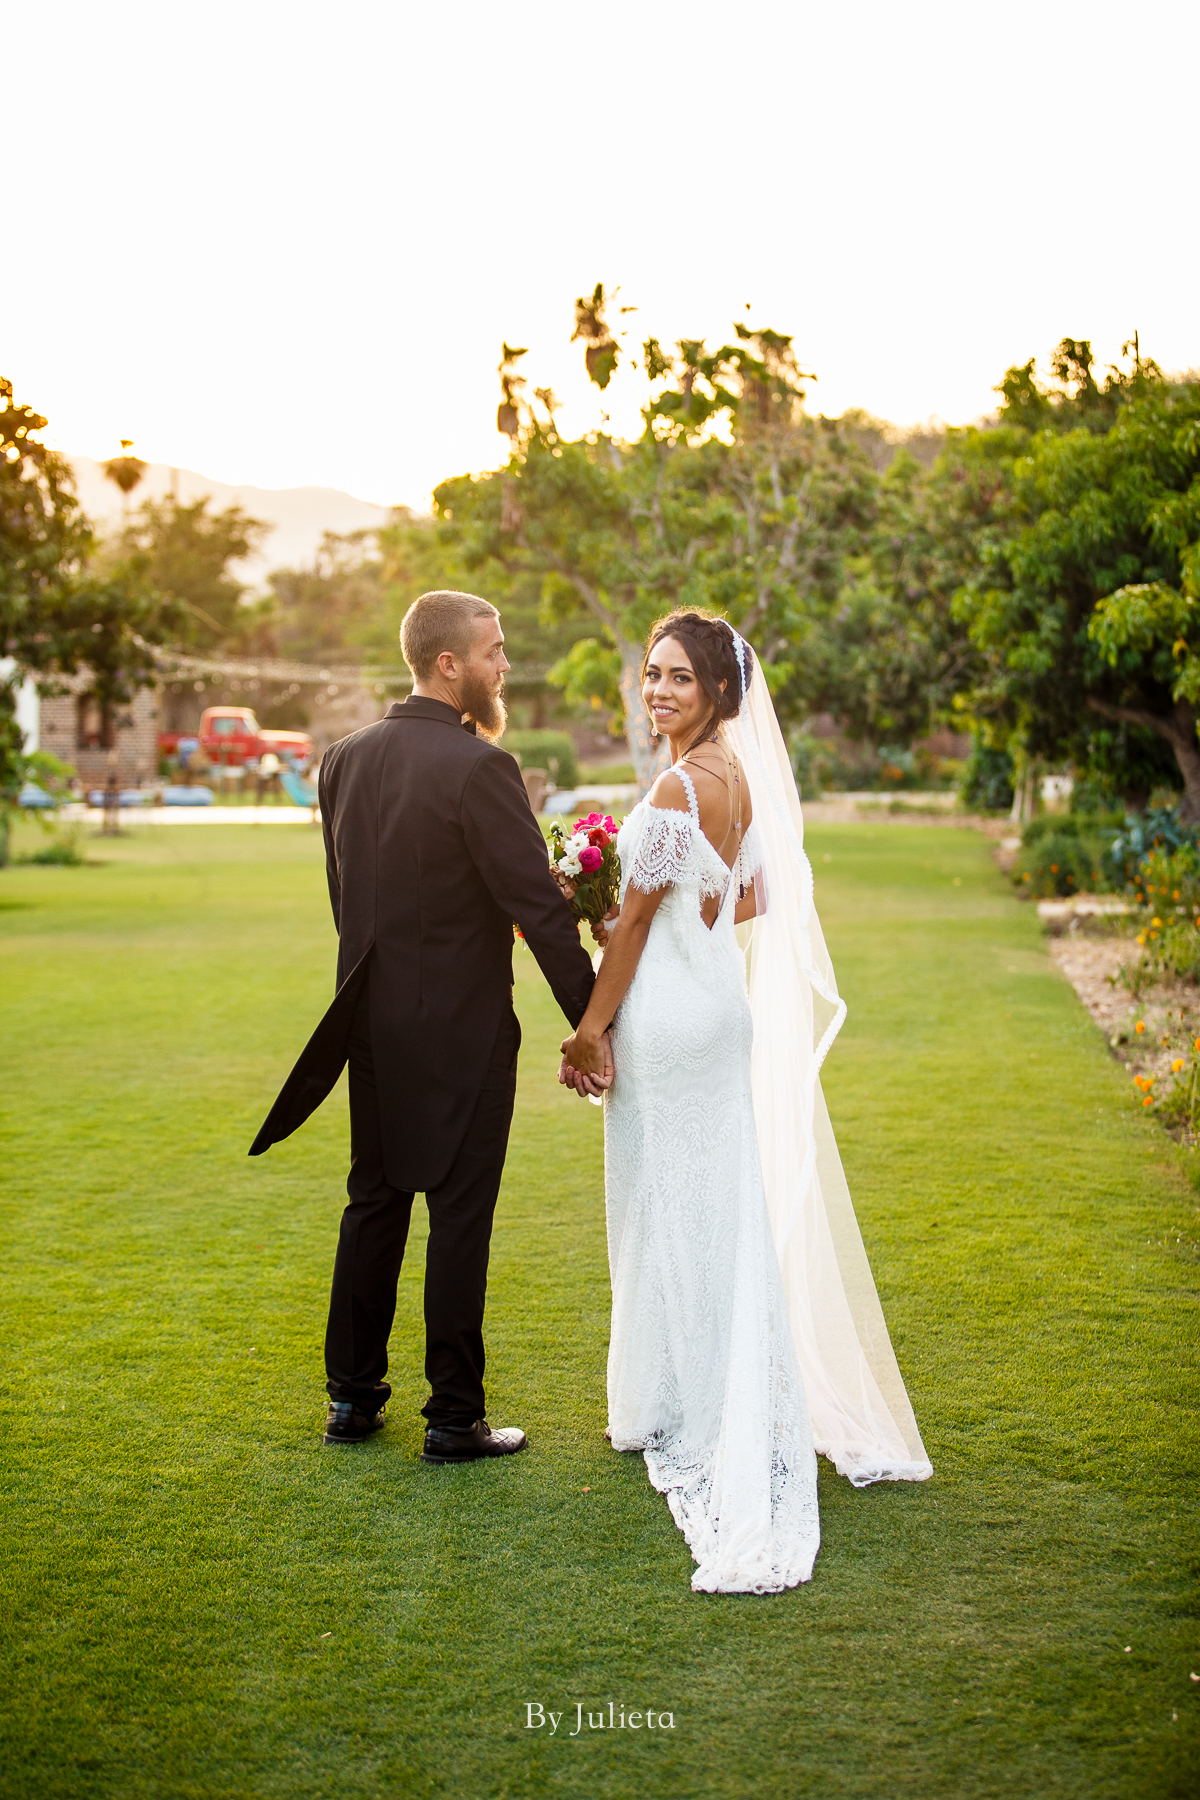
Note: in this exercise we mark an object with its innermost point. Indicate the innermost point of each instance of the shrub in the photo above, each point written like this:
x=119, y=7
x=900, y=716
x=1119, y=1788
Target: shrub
x=549, y=750
x=63, y=849
x=987, y=779
x=1063, y=863
x=1179, y=1103
x=1090, y=797
x=1166, y=890
x=1105, y=825
x=1159, y=828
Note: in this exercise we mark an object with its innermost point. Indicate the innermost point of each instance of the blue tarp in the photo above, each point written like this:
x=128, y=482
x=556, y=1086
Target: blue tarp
x=187, y=796
x=125, y=797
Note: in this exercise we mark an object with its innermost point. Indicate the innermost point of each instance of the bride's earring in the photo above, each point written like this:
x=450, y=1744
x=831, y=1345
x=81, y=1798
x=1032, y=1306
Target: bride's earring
x=653, y=727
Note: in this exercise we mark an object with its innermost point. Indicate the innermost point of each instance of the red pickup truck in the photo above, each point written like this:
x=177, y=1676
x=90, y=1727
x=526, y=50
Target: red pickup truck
x=231, y=735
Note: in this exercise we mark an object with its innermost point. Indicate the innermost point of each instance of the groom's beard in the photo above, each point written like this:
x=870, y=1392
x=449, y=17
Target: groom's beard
x=485, y=705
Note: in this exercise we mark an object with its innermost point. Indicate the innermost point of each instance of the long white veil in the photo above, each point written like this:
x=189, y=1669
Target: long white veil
x=861, y=1415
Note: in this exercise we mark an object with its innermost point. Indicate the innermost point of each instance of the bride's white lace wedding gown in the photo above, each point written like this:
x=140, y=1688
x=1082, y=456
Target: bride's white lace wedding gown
x=702, y=1373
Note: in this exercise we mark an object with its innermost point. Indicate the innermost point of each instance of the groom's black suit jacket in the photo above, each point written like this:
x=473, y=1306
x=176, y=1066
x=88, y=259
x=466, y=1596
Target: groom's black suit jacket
x=432, y=851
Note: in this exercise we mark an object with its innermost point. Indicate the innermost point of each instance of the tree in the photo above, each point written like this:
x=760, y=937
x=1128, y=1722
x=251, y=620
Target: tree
x=184, y=552
x=1149, y=630
x=125, y=472
x=886, y=654
x=44, y=540
x=56, y=617
x=752, y=524
x=1077, y=599
x=331, y=606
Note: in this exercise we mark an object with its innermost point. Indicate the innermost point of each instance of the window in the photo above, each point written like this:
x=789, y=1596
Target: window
x=93, y=725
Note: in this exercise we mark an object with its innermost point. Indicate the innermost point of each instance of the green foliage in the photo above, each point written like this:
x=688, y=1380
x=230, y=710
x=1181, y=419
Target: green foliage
x=12, y=744
x=1090, y=797
x=1069, y=853
x=43, y=538
x=553, y=751
x=755, y=528
x=1072, y=825
x=184, y=552
x=1159, y=828
x=987, y=779
x=1062, y=862
x=886, y=653
x=64, y=849
x=1177, y=1102
x=590, y=675
x=56, y=617
x=419, y=554
x=321, y=611
x=819, y=763
x=1069, y=604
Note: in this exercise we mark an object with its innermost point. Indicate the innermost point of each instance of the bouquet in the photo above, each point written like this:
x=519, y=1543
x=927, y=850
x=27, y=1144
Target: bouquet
x=586, y=865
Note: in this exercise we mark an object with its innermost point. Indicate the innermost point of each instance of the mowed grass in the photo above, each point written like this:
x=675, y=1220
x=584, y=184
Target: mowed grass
x=200, y=1601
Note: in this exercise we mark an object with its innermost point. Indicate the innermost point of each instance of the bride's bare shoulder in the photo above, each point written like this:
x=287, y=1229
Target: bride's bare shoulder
x=669, y=794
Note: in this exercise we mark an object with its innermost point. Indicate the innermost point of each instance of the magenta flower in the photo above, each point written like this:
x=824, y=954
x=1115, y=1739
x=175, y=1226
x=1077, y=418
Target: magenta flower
x=590, y=859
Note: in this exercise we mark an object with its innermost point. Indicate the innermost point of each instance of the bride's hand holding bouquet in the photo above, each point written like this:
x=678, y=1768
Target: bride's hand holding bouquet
x=588, y=870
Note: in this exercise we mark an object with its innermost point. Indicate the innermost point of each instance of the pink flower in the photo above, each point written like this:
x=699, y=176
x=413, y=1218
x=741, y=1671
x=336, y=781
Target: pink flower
x=588, y=824
x=590, y=859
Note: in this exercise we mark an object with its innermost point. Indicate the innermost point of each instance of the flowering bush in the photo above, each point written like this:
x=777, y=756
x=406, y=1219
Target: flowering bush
x=1063, y=855
x=586, y=865
x=1165, y=889
x=1178, y=1104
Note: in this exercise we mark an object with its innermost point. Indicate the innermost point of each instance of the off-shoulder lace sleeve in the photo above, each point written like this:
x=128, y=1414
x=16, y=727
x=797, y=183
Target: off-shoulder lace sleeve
x=667, y=854
x=751, y=861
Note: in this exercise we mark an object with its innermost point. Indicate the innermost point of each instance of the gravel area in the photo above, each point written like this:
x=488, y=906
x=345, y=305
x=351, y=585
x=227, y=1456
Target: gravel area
x=1169, y=1009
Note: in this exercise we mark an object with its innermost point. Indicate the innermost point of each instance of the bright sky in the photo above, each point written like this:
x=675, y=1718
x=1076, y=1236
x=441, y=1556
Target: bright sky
x=281, y=242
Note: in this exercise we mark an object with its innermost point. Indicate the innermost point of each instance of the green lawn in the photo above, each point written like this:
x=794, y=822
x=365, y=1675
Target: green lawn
x=200, y=1601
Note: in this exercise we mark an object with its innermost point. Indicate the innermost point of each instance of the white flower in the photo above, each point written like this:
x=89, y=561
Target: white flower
x=571, y=865
x=577, y=843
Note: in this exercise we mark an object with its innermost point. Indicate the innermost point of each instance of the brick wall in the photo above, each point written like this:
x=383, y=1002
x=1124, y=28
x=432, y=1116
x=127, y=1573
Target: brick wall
x=134, y=751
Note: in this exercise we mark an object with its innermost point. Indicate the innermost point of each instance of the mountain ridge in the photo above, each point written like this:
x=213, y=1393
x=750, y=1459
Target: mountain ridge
x=298, y=517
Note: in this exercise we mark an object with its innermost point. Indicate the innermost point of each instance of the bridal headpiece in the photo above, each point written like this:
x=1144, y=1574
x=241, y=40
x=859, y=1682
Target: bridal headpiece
x=742, y=651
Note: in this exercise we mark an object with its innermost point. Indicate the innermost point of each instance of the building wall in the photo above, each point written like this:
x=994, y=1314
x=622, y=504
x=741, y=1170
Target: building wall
x=134, y=751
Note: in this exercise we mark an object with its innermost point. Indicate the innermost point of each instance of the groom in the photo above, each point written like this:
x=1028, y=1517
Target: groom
x=432, y=852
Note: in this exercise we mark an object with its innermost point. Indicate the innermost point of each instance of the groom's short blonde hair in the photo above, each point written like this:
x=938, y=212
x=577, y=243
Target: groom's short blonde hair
x=441, y=620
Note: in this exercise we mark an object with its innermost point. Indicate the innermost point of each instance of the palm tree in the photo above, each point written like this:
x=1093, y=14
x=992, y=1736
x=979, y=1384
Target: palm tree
x=126, y=471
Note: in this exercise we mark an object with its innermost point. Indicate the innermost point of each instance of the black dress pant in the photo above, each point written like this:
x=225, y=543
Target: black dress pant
x=374, y=1232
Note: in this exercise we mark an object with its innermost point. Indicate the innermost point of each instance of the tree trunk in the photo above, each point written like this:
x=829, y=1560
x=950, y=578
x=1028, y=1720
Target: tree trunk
x=648, y=754
x=1179, y=729
x=1187, y=755
x=1024, y=805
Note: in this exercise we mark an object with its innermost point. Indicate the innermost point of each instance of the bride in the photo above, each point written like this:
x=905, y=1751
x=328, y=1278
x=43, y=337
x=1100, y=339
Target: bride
x=746, y=1330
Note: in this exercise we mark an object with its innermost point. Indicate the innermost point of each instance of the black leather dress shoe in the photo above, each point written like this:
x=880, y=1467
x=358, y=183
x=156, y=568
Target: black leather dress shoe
x=344, y=1424
x=470, y=1443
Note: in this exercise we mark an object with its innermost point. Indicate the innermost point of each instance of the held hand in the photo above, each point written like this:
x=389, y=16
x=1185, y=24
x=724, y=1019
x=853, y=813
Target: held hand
x=587, y=1064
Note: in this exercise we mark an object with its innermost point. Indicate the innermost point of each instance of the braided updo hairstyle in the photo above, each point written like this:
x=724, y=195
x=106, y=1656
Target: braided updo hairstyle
x=708, y=641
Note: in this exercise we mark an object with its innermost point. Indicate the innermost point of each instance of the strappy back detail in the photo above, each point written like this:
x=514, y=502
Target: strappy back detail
x=690, y=789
